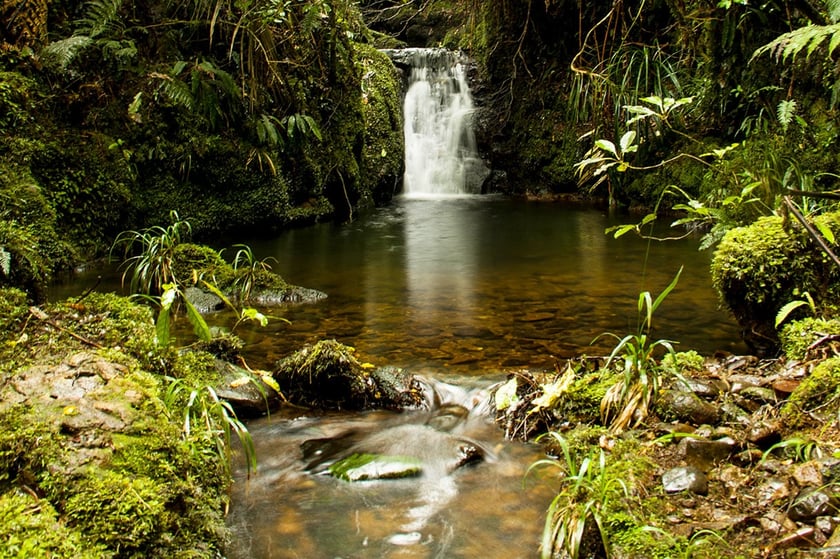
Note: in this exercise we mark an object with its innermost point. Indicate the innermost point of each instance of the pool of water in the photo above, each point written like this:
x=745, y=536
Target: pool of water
x=477, y=284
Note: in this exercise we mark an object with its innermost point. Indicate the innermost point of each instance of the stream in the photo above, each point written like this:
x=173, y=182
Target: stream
x=461, y=291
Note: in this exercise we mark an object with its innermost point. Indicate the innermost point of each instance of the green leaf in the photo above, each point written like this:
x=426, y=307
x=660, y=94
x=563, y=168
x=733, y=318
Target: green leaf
x=627, y=140
x=607, y=146
x=785, y=311
x=667, y=290
x=825, y=231
x=255, y=315
x=198, y=323
x=506, y=395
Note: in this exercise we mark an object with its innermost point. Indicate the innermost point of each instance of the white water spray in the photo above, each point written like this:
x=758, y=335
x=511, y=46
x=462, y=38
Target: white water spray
x=440, y=150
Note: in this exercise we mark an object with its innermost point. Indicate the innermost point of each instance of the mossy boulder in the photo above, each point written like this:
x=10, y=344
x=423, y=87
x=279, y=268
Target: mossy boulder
x=759, y=268
x=328, y=375
x=94, y=430
x=816, y=399
x=194, y=264
x=384, y=149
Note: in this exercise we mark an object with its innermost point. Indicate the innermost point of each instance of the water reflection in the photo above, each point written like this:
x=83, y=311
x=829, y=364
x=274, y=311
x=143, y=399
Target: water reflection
x=481, y=284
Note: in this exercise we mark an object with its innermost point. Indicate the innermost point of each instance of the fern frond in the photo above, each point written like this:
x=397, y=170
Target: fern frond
x=59, y=54
x=807, y=39
x=5, y=261
x=833, y=7
x=176, y=91
x=785, y=112
x=102, y=18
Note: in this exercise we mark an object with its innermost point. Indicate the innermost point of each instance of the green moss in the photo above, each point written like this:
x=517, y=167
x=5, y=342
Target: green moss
x=196, y=368
x=28, y=446
x=28, y=233
x=582, y=402
x=796, y=337
x=118, y=511
x=13, y=310
x=683, y=361
x=759, y=268
x=31, y=528
x=383, y=150
x=192, y=262
x=819, y=388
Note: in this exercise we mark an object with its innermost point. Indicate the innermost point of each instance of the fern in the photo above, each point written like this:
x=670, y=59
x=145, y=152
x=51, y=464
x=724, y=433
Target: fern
x=5, y=261
x=833, y=7
x=102, y=19
x=176, y=91
x=59, y=54
x=785, y=112
x=807, y=39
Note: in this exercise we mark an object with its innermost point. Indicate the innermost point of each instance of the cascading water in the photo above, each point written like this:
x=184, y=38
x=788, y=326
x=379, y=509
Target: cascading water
x=440, y=149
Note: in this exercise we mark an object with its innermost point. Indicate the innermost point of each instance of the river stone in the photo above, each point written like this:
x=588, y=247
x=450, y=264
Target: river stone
x=808, y=474
x=704, y=453
x=830, y=469
x=687, y=406
x=290, y=294
x=433, y=452
x=772, y=490
x=328, y=375
x=245, y=391
x=364, y=467
x=685, y=478
x=203, y=301
x=811, y=503
x=733, y=413
x=765, y=434
x=759, y=394
x=701, y=387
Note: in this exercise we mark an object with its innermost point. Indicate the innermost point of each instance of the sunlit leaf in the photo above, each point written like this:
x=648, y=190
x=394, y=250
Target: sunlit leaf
x=506, y=395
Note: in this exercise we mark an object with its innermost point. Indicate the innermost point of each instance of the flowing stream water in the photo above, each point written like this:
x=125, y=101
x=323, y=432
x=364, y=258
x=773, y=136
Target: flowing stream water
x=461, y=290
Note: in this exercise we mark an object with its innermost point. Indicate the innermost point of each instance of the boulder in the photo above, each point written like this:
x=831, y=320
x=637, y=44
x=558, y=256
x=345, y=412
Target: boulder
x=327, y=375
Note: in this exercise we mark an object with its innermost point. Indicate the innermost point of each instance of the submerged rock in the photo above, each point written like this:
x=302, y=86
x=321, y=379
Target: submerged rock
x=362, y=467
x=406, y=450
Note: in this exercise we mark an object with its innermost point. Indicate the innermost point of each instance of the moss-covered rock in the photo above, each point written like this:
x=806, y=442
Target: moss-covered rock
x=383, y=151
x=799, y=336
x=807, y=405
x=100, y=439
x=759, y=268
x=328, y=375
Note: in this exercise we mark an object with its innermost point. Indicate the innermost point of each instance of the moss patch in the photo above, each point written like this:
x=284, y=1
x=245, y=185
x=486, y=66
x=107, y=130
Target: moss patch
x=89, y=432
x=818, y=396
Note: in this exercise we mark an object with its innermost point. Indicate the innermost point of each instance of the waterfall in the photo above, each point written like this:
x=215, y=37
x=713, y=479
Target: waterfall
x=440, y=150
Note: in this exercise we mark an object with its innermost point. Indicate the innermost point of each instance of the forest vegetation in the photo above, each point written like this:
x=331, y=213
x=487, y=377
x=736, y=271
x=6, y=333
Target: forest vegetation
x=123, y=120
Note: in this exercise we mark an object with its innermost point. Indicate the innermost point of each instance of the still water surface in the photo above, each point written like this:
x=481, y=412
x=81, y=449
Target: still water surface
x=477, y=284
